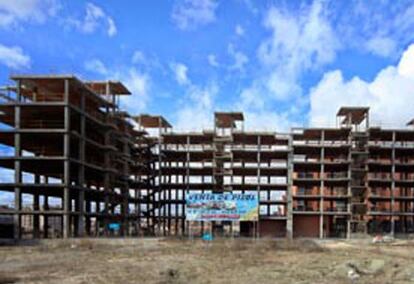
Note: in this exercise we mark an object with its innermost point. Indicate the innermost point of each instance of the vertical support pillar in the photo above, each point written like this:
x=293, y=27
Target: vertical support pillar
x=36, y=207
x=107, y=160
x=106, y=180
x=202, y=191
x=187, y=181
x=161, y=195
x=81, y=213
x=81, y=172
x=137, y=209
x=106, y=187
x=17, y=168
x=176, y=204
x=231, y=146
x=393, y=185
x=66, y=173
x=17, y=201
x=45, y=217
x=289, y=213
x=125, y=194
x=322, y=188
x=259, y=149
x=349, y=189
x=98, y=219
x=88, y=218
x=169, y=198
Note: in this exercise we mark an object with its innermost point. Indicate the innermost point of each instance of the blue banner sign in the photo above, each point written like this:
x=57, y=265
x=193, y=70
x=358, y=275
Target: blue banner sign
x=221, y=207
x=114, y=226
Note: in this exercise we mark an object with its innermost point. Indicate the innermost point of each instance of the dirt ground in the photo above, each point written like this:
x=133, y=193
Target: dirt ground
x=222, y=261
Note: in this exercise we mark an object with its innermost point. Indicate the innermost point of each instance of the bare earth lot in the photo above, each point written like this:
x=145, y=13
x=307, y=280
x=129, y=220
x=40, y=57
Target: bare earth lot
x=224, y=261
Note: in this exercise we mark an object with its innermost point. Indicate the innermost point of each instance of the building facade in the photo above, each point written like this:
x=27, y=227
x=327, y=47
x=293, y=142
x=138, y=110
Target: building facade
x=78, y=165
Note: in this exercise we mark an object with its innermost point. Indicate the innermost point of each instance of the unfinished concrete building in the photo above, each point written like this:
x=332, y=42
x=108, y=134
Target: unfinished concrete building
x=321, y=182
x=226, y=159
x=390, y=180
x=66, y=139
x=152, y=195
x=75, y=164
x=353, y=179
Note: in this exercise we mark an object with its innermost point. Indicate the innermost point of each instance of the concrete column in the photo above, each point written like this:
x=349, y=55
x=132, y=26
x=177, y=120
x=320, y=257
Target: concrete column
x=259, y=149
x=17, y=170
x=88, y=218
x=322, y=188
x=106, y=187
x=106, y=174
x=349, y=190
x=66, y=173
x=36, y=207
x=187, y=181
x=81, y=214
x=125, y=192
x=289, y=213
x=81, y=173
x=17, y=206
x=393, y=185
x=202, y=191
x=45, y=217
x=98, y=219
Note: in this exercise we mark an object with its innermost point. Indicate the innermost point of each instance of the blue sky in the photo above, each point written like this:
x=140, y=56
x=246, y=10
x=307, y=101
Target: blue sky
x=284, y=63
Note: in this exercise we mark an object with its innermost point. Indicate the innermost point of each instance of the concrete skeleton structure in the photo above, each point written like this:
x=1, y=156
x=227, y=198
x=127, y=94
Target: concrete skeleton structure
x=68, y=140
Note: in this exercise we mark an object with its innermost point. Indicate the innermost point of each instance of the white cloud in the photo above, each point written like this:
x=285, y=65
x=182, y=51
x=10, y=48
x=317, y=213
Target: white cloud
x=239, y=30
x=196, y=111
x=381, y=46
x=406, y=65
x=180, y=73
x=240, y=59
x=138, y=57
x=250, y=6
x=251, y=98
x=97, y=66
x=260, y=113
x=140, y=85
x=14, y=57
x=148, y=62
x=300, y=41
x=94, y=19
x=389, y=95
x=16, y=11
x=189, y=14
x=267, y=120
x=111, y=27
x=381, y=29
x=405, y=21
x=212, y=60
